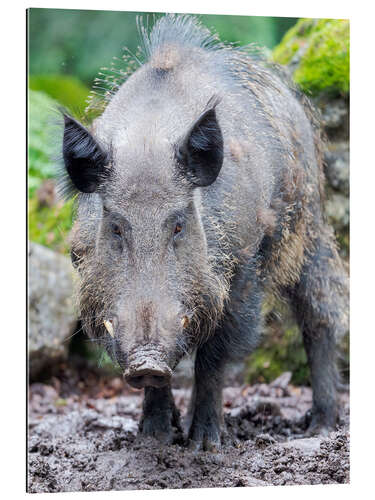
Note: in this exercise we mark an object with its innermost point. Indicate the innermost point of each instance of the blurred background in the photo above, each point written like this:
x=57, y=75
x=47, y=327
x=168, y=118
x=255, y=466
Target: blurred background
x=77, y=43
x=67, y=48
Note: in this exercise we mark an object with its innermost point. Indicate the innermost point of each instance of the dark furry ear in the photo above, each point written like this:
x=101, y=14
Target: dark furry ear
x=85, y=161
x=200, y=153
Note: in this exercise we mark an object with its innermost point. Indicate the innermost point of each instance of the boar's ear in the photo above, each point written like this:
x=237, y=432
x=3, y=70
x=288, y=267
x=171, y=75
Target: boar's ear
x=85, y=161
x=200, y=153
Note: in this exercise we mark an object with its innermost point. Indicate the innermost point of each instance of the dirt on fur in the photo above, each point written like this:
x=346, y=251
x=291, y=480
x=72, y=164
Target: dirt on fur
x=83, y=437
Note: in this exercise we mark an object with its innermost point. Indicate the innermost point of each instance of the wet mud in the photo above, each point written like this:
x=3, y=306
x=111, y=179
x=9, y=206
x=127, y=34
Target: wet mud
x=83, y=437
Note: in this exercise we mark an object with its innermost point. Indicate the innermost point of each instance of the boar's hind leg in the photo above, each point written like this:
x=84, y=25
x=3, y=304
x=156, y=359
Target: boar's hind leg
x=160, y=414
x=320, y=301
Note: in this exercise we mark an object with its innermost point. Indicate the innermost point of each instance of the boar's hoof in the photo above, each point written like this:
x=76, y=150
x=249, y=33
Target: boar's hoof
x=204, y=437
x=320, y=424
x=318, y=429
x=157, y=428
x=161, y=426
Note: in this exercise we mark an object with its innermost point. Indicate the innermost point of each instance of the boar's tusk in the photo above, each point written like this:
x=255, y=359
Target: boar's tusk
x=109, y=327
x=185, y=322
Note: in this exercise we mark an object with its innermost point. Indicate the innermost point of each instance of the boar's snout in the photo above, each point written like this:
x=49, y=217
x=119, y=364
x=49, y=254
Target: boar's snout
x=147, y=370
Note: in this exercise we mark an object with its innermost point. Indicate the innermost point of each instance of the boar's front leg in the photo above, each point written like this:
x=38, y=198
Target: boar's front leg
x=205, y=413
x=160, y=415
x=237, y=336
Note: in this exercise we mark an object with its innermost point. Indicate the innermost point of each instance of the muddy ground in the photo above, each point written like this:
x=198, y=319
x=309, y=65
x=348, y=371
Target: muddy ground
x=82, y=437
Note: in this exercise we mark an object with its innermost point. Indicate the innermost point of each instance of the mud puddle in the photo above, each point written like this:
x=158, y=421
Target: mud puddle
x=82, y=437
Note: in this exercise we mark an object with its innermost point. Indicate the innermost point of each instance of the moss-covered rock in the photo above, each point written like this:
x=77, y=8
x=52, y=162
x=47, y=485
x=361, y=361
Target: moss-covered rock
x=318, y=52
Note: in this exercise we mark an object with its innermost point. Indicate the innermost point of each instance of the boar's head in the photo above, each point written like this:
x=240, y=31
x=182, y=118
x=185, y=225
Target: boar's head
x=148, y=289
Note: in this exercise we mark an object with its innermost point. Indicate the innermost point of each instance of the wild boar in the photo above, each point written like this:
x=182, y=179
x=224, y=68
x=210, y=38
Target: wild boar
x=201, y=188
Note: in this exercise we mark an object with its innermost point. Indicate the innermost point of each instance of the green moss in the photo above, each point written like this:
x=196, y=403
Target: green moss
x=61, y=402
x=67, y=90
x=49, y=226
x=293, y=40
x=321, y=47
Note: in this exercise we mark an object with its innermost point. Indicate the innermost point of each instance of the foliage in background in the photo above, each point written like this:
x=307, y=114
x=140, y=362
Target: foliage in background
x=320, y=48
x=281, y=349
x=66, y=90
x=79, y=42
x=41, y=149
x=95, y=354
x=50, y=225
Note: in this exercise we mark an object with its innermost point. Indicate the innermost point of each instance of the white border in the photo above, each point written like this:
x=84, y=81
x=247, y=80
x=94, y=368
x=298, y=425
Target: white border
x=362, y=232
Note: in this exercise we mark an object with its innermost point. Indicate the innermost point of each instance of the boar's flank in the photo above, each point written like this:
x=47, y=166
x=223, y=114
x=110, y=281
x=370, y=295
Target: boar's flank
x=200, y=188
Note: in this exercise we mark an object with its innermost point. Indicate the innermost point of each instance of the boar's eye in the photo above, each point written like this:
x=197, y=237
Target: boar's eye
x=116, y=229
x=178, y=231
x=175, y=225
x=178, y=228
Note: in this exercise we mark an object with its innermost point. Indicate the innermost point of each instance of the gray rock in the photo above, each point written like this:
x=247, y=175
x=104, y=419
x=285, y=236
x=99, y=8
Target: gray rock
x=337, y=174
x=335, y=120
x=336, y=160
x=335, y=113
x=52, y=317
x=282, y=381
x=337, y=210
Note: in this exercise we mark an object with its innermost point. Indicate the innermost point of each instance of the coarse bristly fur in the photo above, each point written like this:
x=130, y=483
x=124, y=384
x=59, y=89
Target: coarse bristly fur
x=201, y=187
